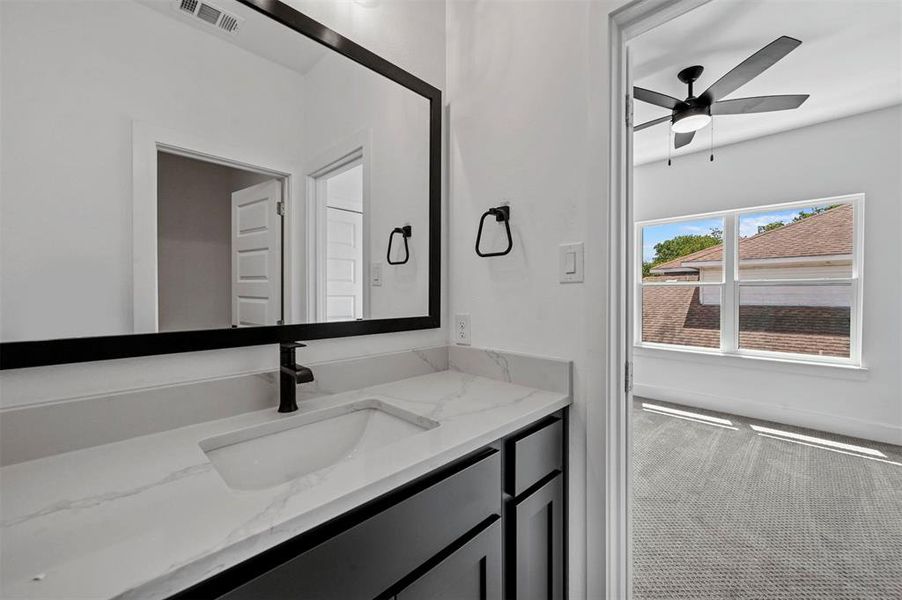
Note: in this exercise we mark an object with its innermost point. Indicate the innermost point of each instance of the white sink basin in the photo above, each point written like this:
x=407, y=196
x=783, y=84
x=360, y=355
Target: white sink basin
x=273, y=453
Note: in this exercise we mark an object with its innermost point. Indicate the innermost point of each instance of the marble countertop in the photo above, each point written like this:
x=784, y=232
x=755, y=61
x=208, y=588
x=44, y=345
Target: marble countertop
x=149, y=516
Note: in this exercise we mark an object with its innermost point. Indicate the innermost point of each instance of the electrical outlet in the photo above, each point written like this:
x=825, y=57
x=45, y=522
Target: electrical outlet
x=462, y=330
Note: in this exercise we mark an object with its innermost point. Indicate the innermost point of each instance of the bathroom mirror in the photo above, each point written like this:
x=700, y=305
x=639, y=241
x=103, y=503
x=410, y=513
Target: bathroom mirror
x=183, y=175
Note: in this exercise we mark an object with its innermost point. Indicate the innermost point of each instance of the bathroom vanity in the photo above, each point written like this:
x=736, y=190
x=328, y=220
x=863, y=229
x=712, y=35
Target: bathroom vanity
x=488, y=522
x=449, y=476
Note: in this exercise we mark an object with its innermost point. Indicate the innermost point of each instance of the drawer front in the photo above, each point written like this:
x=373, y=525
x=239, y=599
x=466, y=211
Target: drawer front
x=472, y=572
x=535, y=454
x=368, y=558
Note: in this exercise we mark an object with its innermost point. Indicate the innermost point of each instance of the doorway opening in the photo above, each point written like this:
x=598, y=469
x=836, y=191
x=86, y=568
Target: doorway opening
x=739, y=308
x=340, y=201
x=267, y=235
x=219, y=244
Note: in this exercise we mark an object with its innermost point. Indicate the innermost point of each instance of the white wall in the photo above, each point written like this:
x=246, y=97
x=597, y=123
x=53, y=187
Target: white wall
x=75, y=76
x=194, y=251
x=410, y=34
x=346, y=100
x=528, y=93
x=856, y=154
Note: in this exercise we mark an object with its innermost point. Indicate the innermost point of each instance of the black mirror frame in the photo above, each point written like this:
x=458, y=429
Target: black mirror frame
x=17, y=355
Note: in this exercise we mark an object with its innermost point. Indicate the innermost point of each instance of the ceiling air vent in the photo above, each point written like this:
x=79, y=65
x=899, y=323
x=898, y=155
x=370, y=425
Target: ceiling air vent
x=210, y=14
x=188, y=5
x=228, y=23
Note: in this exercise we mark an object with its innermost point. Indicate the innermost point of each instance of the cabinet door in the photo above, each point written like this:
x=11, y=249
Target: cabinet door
x=539, y=543
x=472, y=572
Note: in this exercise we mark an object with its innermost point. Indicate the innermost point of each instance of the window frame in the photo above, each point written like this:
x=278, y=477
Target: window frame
x=731, y=286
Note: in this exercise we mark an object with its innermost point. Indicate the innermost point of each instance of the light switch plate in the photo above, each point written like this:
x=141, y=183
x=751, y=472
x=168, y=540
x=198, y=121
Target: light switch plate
x=376, y=274
x=571, y=262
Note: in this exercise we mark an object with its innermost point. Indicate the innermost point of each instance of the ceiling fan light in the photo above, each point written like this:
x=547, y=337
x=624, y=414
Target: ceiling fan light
x=691, y=120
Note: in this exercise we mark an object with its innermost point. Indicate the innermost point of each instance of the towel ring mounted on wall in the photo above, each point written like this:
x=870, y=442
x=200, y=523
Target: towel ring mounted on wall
x=501, y=214
x=405, y=233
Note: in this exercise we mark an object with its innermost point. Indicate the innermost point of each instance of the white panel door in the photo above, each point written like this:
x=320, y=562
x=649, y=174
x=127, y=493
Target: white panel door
x=257, y=255
x=344, y=265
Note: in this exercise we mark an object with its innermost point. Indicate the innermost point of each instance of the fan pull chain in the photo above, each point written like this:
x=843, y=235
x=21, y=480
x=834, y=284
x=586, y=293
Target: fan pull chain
x=669, y=144
x=712, y=141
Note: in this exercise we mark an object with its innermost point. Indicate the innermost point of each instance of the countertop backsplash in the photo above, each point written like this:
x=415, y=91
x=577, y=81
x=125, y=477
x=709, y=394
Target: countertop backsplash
x=31, y=432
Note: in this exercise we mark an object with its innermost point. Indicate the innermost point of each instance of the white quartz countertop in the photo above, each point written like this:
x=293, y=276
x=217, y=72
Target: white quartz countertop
x=150, y=516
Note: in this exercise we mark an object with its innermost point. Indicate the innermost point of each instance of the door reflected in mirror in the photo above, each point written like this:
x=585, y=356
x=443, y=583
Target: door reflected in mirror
x=342, y=295
x=163, y=171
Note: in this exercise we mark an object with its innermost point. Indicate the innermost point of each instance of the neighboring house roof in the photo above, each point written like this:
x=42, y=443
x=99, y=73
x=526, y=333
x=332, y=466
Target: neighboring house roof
x=826, y=234
x=675, y=315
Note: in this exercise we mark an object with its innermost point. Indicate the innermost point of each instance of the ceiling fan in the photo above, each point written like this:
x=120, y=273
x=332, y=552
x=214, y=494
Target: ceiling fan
x=689, y=115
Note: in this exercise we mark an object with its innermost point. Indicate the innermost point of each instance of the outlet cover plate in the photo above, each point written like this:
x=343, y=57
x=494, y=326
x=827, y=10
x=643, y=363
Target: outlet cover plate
x=461, y=332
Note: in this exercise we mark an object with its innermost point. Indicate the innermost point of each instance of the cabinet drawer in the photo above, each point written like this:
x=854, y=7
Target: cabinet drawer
x=534, y=454
x=472, y=572
x=370, y=557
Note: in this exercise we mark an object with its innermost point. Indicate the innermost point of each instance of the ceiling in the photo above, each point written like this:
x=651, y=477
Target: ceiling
x=258, y=34
x=850, y=61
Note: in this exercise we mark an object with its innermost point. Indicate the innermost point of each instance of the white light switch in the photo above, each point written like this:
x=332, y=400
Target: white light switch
x=376, y=274
x=571, y=262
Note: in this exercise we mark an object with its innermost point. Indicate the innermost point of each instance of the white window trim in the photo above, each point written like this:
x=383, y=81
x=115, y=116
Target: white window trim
x=730, y=285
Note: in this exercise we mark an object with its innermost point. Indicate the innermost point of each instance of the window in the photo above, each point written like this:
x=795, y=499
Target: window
x=681, y=302
x=781, y=281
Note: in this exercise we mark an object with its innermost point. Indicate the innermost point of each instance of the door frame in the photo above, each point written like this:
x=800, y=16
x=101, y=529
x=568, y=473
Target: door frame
x=611, y=437
x=147, y=141
x=358, y=147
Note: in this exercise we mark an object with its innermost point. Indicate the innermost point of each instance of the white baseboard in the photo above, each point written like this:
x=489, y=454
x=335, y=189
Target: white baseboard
x=842, y=425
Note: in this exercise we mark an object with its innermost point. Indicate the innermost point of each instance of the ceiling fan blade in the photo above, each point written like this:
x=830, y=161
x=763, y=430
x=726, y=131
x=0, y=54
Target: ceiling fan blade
x=750, y=68
x=681, y=139
x=656, y=98
x=758, y=104
x=648, y=124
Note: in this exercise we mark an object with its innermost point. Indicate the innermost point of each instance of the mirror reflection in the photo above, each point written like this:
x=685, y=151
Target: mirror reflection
x=180, y=165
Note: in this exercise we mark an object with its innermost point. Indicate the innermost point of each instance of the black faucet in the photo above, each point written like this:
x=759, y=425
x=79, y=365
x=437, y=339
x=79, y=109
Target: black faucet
x=290, y=375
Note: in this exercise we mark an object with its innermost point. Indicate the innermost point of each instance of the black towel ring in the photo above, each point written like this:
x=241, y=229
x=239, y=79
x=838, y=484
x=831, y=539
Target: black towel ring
x=405, y=233
x=501, y=214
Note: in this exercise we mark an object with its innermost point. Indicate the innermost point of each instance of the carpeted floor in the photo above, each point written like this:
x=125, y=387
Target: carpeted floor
x=728, y=513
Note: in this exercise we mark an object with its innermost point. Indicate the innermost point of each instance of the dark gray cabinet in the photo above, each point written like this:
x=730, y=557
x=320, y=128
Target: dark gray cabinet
x=488, y=526
x=538, y=543
x=534, y=454
x=472, y=572
x=367, y=559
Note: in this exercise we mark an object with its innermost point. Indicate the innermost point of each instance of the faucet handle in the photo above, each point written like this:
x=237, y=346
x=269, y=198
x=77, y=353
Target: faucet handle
x=292, y=345
x=286, y=352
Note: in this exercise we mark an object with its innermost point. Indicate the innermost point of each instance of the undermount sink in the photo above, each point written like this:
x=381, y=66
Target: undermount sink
x=274, y=453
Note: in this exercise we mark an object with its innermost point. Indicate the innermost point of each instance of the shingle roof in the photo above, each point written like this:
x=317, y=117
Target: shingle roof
x=825, y=234
x=675, y=315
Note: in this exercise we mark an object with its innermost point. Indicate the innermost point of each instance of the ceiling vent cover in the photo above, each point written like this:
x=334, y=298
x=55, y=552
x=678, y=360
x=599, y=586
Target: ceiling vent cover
x=210, y=15
x=228, y=23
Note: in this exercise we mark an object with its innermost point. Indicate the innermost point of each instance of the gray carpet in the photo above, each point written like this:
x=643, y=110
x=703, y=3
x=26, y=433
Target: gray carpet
x=723, y=514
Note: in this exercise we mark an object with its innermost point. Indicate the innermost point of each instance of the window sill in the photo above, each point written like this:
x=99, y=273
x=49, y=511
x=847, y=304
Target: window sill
x=791, y=365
